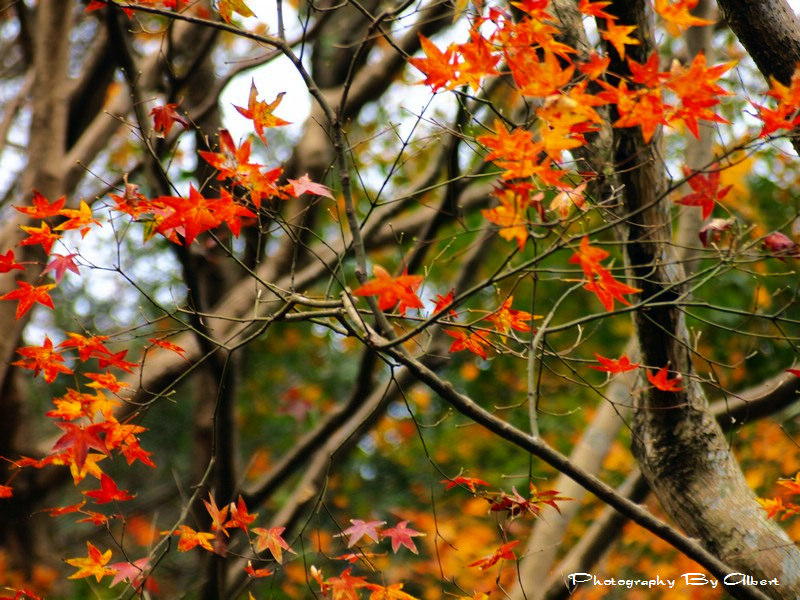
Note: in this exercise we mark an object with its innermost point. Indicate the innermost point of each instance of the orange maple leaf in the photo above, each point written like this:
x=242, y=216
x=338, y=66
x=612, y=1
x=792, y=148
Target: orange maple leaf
x=28, y=295
x=618, y=36
x=231, y=161
x=240, y=517
x=660, y=380
x=502, y=553
x=677, y=14
x=391, y=291
x=469, y=482
x=43, y=358
x=80, y=219
x=270, y=539
x=191, y=538
x=93, y=565
x=218, y=516
x=438, y=66
x=41, y=235
x=511, y=215
x=595, y=9
x=607, y=289
x=505, y=318
x=260, y=112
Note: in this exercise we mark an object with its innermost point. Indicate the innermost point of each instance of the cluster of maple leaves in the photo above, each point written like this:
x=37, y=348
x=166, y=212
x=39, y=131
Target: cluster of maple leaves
x=569, y=90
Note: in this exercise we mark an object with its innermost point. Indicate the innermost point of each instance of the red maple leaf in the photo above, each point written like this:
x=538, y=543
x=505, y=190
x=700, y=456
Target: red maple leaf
x=7, y=262
x=6, y=491
x=193, y=215
x=304, y=185
x=169, y=346
x=108, y=492
x=256, y=572
x=230, y=161
x=28, y=295
x=79, y=438
x=401, y=535
x=474, y=342
x=360, y=528
x=60, y=264
x=660, y=381
x=87, y=346
x=705, y=190
x=469, y=482
x=400, y=291
x=164, y=117
x=42, y=208
x=611, y=365
x=502, y=553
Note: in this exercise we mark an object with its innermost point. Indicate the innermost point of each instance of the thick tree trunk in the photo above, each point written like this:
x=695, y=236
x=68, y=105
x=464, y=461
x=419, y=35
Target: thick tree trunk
x=676, y=439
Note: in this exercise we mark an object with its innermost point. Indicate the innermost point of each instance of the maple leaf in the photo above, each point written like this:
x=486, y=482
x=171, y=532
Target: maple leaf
x=117, y=360
x=607, y=289
x=194, y=215
x=705, y=190
x=588, y=257
x=567, y=199
x=441, y=302
x=505, y=318
x=42, y=208
x=168, y=346
x=478, y=60
x=256, y=572
x=401, y=535
x=502, y=553
x=474, y=342
x=132, y=572
x=218, y=516
x=438, y=66
x=231, y=162
x=614, y=365
x=595, y=9
x=677, y=14
x=469, y=482
x=42, y=358
x=792, y=485
x=270, y=539
x=108, y=492
x=260, y=112
x=60, y=264
x=191, y=538
x=360, y=528
x=7, y=262
x=80, y=219
x=6, y=491
x=87, y=346
x=65, y=510
x=239, y=516
x=618, y=36
x=795, y=372
x=660, y=380
x=79, y=438
x=304, y=185
x=226, y=9
x=93, y=565
x=388, y=592
x=595, y=66
x=164, y=117
x=398, y=291
x=511, y=215
x=28, y=295
x=40, y=236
